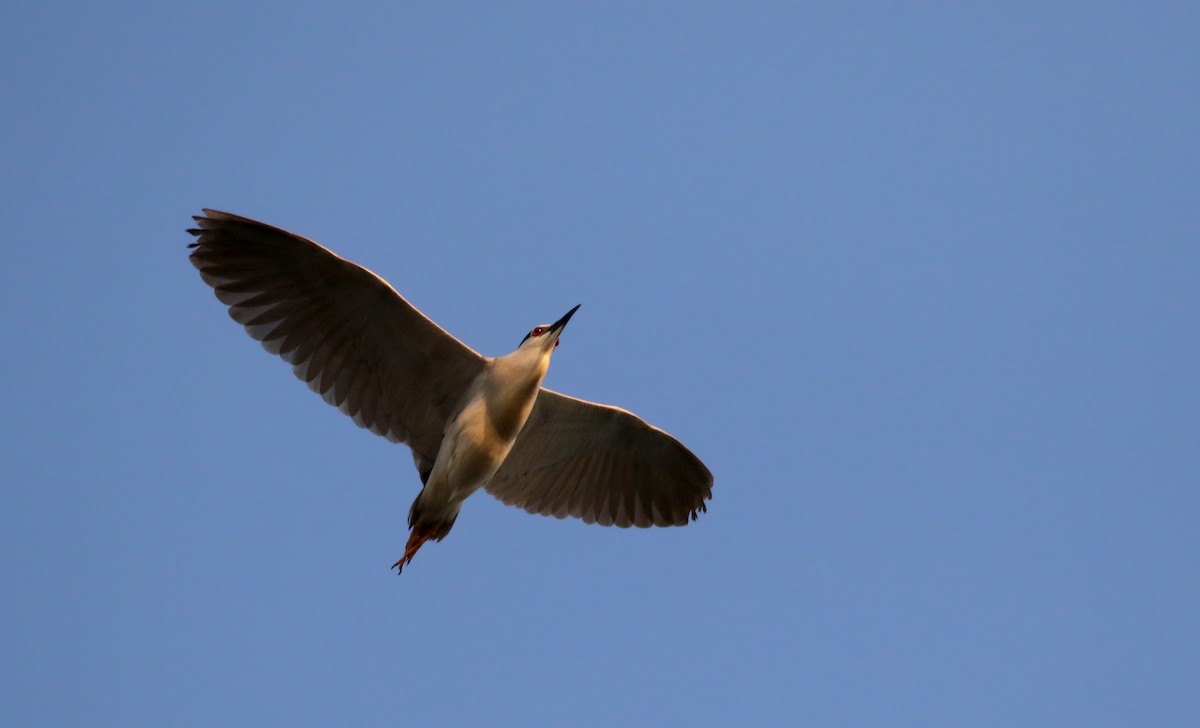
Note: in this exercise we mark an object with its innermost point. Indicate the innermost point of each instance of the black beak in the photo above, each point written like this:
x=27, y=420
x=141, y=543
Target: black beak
x=563, y=321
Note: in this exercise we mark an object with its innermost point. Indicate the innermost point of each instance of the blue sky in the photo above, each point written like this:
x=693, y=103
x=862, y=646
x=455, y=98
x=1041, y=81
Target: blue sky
x=918, y=282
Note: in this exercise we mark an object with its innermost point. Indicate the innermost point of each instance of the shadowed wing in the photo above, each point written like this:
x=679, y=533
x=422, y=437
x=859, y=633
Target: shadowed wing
x=344, y=330
x=601, y=464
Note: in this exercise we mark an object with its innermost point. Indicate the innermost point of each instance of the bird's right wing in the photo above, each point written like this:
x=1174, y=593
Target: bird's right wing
x=344, y=330
x=601, y=464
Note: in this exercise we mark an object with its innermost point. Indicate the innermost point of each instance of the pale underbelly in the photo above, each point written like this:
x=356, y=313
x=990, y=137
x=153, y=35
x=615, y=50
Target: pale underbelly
x=468, y=458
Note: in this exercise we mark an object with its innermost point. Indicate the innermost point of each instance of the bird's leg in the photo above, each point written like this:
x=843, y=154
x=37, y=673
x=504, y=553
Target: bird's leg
x=416, y=539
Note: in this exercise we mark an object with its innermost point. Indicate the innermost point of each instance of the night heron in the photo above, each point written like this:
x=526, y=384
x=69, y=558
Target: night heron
x=471, y=421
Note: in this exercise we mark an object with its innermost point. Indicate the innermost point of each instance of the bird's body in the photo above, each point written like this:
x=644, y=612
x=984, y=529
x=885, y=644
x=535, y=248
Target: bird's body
x=478, y=438
x=471, y=421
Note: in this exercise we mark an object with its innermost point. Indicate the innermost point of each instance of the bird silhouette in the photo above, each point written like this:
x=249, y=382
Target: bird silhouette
x=471, y=421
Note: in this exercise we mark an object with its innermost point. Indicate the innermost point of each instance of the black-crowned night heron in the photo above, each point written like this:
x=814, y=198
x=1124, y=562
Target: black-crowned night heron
x=471, y=421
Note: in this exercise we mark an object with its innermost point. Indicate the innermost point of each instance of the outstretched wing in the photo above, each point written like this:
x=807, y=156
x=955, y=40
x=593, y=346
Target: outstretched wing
x=344, y=330
x=601, y=464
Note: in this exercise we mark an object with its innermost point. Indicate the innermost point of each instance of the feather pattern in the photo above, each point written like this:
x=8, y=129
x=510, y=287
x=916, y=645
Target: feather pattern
x=601, y=464
x=346, y=333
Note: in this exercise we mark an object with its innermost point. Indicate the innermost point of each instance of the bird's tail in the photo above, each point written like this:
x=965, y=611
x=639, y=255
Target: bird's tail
x=423, y=528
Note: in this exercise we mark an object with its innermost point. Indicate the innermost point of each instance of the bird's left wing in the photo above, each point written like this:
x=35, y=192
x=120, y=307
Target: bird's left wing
x=601, y=464
x=344, y=330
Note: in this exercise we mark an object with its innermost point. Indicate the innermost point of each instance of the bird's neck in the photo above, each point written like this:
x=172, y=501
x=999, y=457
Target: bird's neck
x=525, y=367
x=511, y=387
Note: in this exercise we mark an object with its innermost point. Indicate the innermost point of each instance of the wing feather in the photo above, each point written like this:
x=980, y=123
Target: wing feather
x=346, y=333
x=601, y=464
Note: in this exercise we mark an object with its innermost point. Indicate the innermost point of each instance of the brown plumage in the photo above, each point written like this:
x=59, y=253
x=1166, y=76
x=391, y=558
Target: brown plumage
x=471, y=421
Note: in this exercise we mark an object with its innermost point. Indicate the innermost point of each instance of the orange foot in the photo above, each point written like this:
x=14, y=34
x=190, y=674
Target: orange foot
x=416, y=539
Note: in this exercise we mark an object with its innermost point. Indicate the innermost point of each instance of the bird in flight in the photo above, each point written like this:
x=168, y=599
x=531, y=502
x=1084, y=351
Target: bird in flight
x=471, y=421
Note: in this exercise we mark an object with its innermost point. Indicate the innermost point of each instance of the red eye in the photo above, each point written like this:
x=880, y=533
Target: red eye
x=537, y=331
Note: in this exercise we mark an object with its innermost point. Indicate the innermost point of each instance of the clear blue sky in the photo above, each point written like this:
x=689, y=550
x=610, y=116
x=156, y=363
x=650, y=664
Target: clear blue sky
x=920, y=283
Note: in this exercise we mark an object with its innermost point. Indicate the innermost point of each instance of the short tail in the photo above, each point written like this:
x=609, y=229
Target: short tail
x=423, y=529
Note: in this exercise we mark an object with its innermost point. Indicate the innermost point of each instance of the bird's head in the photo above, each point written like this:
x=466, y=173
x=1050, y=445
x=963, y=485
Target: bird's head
x=545, y=336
